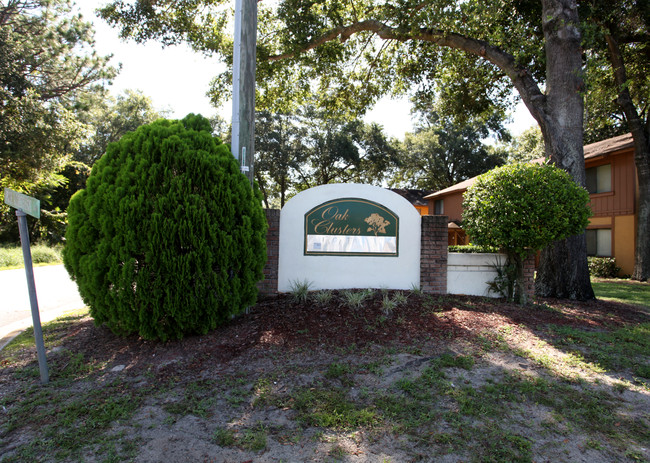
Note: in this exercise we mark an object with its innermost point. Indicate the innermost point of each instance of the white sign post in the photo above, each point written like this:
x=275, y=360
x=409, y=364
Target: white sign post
x=27, y=205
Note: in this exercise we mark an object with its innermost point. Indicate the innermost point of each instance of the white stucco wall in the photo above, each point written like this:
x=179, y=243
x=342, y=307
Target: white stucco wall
x=469, y=273
x=341, y=272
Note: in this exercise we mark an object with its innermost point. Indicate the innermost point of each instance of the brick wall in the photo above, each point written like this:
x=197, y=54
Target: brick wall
x=269, y=285
x=433, y=257
x=433, y=254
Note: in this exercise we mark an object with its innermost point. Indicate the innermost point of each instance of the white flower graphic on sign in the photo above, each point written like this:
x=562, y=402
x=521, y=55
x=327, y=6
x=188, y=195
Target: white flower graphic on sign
x=377, y=223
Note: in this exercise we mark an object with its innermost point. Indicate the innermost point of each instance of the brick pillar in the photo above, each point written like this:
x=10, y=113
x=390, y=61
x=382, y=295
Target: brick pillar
x=433, y=254
x=269, y=285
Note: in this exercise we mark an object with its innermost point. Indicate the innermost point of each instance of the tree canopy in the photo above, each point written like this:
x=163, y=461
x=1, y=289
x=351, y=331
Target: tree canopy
x=279, y=154
x=46, y=63
x=109, y=118
x=616, y=39
x=351, y=53
x=441, y=153
x=311, y=147
x=47, y=67
x=527, y=146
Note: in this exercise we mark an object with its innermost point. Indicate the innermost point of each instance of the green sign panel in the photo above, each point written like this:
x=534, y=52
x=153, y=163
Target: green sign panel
x=351, y=226
x=27, y=204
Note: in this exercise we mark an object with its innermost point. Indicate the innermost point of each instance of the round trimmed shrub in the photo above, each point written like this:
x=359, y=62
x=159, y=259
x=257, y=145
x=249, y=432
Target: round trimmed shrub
x=168, y=238
x=522, y=208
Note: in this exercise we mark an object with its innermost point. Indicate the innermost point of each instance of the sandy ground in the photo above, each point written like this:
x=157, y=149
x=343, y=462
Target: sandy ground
x=437, y=380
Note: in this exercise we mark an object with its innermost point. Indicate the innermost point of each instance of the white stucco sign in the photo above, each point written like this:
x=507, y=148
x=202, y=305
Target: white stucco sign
x=349, y=236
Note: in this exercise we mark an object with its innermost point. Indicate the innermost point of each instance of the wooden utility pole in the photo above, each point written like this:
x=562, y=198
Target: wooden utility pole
x=243, y=92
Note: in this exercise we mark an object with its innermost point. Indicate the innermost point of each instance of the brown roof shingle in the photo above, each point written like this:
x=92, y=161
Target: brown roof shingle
x=609, y=146
x=415, y=197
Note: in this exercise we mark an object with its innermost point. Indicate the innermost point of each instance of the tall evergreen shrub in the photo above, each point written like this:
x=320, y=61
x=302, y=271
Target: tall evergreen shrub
x=168, y=238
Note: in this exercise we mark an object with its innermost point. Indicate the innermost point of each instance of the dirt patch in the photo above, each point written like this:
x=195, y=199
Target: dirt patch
x=432, y=379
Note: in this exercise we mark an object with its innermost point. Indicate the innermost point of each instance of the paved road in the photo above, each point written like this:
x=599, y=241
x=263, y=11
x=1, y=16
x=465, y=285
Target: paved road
x=55, y=291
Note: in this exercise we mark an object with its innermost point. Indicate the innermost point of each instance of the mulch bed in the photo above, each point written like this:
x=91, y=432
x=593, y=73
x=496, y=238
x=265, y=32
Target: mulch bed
x=280, y=323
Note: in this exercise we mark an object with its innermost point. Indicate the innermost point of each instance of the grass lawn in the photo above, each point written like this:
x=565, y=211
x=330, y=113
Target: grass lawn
x=328, y=377
x=11, y=257
x=626, y=291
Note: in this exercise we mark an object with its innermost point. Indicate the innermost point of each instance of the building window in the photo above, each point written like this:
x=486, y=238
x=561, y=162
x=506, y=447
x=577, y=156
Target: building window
x=599, y=179
x=438, y=207
x=599, y=242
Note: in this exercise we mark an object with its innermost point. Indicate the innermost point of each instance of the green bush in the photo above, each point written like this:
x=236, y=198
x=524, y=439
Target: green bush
x=11, y=257
x=522, y=208
x=603, y=267
x=472, y=249
x=167, y=239
x=41, y=254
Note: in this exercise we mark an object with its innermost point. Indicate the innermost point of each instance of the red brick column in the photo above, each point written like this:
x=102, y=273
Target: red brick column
x=269, y=285
x=433, y=254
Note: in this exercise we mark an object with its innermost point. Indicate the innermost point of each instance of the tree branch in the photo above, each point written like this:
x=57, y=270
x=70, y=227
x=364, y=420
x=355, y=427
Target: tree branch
x=634, y=37
x=624, y=99
x=530, y=93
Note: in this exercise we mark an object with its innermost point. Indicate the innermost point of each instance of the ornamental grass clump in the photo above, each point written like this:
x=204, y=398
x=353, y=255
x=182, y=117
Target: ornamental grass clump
x=168, y=238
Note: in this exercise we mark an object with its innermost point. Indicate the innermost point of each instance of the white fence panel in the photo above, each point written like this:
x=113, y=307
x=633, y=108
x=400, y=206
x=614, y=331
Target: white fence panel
x=469, y=273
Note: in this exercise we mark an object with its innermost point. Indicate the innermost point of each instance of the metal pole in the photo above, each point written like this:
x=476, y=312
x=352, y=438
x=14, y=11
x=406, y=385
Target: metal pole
x=31, y=285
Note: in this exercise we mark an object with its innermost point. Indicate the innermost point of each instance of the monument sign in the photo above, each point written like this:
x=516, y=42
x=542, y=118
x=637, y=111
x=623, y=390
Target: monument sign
x=341, y=236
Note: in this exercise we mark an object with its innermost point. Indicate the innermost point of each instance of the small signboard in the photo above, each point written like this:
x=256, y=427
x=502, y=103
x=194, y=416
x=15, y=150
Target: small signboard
x=27, y=204
x=352, y=227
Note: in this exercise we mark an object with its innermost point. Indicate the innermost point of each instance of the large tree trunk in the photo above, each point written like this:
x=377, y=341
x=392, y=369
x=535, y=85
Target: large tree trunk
x=559, y=276
x=641, y=137
x=642, y=251
x=563, y=271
